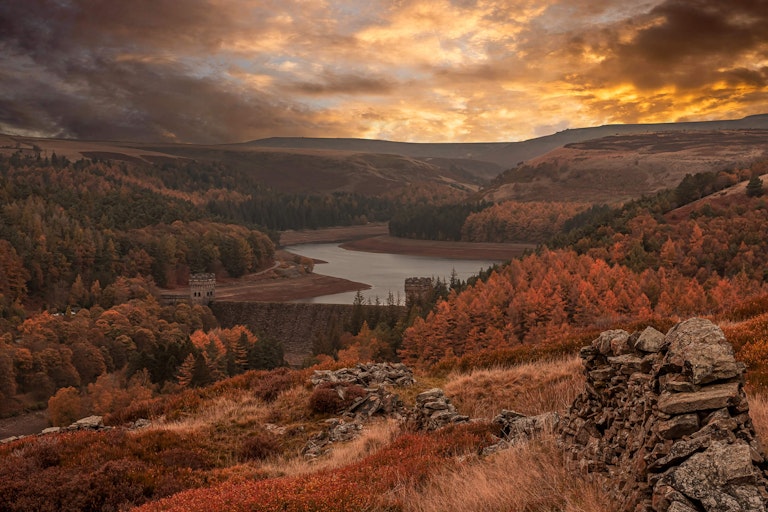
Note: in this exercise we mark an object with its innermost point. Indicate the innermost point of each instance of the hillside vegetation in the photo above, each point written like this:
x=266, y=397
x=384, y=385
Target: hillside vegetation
x=622, y=167
x=84, y=243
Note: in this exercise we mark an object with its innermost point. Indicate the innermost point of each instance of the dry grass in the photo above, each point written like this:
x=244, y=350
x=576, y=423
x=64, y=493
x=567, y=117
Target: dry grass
x=290, y=406
x=530, y=388
x=424, y=382
x=526, y=478
x=236, y=409
x=226, y=419
x=375, y=435
x=758, y=411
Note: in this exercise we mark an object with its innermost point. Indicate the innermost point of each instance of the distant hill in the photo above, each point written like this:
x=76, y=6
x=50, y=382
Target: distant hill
x=290, y=170
x=619, y=167
x=505, y=154
x=299, y=164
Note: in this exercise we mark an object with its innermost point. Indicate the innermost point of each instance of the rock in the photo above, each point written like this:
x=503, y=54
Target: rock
x=663, y=422
x=368, y=375
x=679, y=426
x=50, y=430
x=516, y=426
x=710, y=397
x=434, y=411
x=91, y=423
x=608, y=341
x=141, y=423
x=629, y=364
x=438, y=405
x=678, y=506
x=699, y=347
x=10, y=439
x=650, y=340
x=718, y=478
x=432, y=395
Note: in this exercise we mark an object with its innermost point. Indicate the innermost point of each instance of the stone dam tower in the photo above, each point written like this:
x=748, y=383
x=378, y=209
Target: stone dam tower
x=202, y=288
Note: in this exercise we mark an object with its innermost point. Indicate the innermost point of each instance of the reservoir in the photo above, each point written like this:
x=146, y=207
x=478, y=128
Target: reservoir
x=384, y=273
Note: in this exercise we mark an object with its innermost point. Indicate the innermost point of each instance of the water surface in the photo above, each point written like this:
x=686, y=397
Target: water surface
x=385, y=273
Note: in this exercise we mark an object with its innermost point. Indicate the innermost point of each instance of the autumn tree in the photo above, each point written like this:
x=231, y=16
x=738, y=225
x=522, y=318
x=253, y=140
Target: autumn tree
x=64, y=408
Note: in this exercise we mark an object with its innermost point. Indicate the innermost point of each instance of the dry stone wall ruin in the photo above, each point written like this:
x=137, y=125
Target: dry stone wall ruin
x=665, y=421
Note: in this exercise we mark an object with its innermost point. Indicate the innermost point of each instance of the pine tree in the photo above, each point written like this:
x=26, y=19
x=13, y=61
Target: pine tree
x=186, y=371
x=755, y=187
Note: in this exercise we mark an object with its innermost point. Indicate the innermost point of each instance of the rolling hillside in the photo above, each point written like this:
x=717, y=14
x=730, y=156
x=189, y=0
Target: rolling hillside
x=620, y=167
x=372, y=167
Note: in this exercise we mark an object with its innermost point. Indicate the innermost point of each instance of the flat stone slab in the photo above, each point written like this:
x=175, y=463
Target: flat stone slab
x=715, y=396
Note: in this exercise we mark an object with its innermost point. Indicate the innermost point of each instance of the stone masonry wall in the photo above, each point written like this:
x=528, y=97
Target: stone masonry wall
x=664, y=420
x=295, y=325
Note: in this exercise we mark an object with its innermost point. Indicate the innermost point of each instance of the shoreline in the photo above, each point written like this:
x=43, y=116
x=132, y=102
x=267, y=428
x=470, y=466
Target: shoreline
x=435, y=249
x=287, y=281
x=286, y=289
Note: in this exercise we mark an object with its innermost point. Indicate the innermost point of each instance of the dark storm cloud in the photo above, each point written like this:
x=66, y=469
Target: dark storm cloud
x=332, y=84
x=88, y=69
x=688, y=43
x=213, y=71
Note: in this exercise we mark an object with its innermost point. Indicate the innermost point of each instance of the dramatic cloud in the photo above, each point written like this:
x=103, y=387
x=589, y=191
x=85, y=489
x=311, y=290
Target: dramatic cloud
x=211, y=71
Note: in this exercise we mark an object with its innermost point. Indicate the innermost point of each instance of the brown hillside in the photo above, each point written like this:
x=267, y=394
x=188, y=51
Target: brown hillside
x=617, y=168
x=285, y=169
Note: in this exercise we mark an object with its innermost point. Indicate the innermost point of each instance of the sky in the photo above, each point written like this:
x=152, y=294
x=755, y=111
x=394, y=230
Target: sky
x=218, y=71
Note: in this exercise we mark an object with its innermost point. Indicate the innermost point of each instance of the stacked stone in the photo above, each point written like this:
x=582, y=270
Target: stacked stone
x=338, y=431
x=516, y=428
x=433, y=411
x=90, y=423
x=367, y=375
x=665, y=420
x=377, y=379
x=376, y=401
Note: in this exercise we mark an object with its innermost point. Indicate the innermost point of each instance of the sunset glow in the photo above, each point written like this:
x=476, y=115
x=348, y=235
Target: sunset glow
x=215, y=71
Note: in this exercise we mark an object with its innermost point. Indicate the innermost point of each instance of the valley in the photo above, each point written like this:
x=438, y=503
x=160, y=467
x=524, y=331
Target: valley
x=199, y=404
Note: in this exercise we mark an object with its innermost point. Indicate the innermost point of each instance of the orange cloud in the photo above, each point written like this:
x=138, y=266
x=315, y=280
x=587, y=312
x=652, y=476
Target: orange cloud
x=423, y=70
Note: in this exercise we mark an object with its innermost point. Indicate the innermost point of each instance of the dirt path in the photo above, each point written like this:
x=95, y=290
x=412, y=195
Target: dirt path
x=24, y=425
x=284, y=289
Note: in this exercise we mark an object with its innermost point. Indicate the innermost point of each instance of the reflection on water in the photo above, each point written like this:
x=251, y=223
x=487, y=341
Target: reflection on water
x=385, y=273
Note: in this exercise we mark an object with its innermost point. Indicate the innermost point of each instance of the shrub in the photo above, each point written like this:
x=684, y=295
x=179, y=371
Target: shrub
x=260, y=446
x=325, y=401
x=331, y=398
x=146, y=409
x=45, y=453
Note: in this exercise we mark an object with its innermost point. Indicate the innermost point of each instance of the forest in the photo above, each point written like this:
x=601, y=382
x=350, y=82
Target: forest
x=84, y=246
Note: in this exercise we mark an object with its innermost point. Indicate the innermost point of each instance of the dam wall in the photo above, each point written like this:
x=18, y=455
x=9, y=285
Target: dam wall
x=296, y=325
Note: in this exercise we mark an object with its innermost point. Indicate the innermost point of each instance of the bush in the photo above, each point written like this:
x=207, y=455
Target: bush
x=331, y=398
x=45, y=453
x=260, y=446
x=325, y=401
x=146, y=409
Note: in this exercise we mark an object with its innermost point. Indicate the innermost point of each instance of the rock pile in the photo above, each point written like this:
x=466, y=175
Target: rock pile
x=377, y=379
x=665, y=420
x=338, y=431
x=434, y=410
x=516, y=427
x=89, y=423
x=367, y=375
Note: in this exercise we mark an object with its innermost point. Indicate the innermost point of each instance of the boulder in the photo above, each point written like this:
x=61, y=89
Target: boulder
x=699, y=347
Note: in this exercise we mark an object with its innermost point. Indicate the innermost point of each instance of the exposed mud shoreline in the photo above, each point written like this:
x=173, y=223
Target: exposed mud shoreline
x=288, y=282
x=456, y=250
